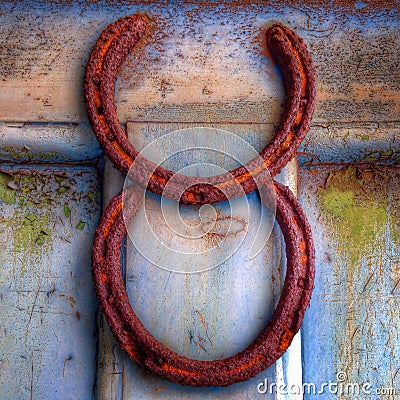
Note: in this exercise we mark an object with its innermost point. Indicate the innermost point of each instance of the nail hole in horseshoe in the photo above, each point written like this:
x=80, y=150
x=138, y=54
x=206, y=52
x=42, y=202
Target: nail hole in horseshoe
x=296, y=128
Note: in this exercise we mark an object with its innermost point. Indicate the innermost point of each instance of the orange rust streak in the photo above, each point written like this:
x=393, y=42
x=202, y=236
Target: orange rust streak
x=303, y=245
x=244, y=177
x=299, y=117
x=160, y=179
x=302, y=73
x=100, y=118
x=121, y=152
x=106, y=46
x=111, y=220
x=104, y=278
x=97, y=98
x=190, y=196
x=303, y=77
x=286, y=143
x=295, y=222
x=256, y=360
x=171, y=368
x=130, y=350
x=286, y=339
x=304, y=259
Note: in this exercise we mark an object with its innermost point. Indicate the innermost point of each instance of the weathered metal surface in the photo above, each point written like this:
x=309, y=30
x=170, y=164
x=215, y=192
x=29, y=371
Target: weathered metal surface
x=353, y=322
x=47, y=324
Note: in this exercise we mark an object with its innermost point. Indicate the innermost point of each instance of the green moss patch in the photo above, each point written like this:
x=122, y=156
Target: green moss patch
x=355, y=209
x=7, y=189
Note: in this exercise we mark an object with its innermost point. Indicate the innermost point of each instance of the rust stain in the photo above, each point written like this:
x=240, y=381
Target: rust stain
x=104, y=278
x=201, y=339
x=286, y=339
x=199, y=345
x=64, y=365
x=202, y=320
x=171, y=368
x=131, y=351
x=255, y=361
x=219, y=232
x=114, y=214
x=70, y=299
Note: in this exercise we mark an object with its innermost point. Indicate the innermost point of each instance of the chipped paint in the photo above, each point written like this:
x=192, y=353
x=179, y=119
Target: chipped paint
x=380, y=156
x=45, y=283
x=337, y=142
x=26, y=154
x=59, y=142
x=31, y=238
x=7, y=192
x=30, y=224
x=203, y=58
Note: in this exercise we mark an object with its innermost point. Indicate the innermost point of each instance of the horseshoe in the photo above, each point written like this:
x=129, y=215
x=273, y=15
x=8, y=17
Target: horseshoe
x=291, y=56
x=143, y=348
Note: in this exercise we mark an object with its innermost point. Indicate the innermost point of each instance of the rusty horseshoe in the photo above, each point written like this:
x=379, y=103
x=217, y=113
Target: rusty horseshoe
x=291, y=56
x=143, y=348
x=289, y=53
